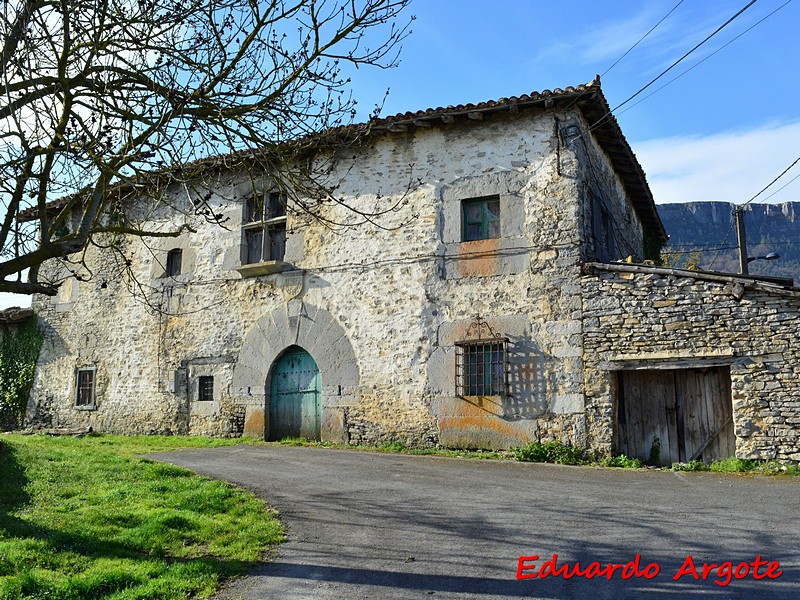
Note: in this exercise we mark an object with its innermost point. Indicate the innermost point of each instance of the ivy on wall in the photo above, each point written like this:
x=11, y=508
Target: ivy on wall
x=19, y=351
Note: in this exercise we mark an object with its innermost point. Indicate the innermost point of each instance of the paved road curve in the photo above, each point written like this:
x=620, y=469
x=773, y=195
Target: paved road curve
x=385, y=526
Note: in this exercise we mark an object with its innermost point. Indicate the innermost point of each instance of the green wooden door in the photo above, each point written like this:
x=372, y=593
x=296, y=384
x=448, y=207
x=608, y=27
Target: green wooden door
x=295, y=406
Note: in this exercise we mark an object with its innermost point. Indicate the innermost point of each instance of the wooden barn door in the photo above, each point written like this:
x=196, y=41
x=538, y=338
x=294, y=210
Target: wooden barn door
x=675, y=415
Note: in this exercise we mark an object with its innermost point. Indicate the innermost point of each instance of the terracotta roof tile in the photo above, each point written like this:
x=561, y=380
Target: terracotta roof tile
x=587, y=97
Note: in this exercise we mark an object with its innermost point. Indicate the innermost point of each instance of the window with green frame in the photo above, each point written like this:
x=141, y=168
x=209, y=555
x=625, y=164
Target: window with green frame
x=480, y=218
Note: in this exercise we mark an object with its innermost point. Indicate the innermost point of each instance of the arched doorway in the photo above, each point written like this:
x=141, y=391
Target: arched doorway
x=295, y=407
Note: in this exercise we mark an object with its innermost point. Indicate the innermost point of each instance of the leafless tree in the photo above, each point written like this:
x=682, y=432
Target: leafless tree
x=102, y=99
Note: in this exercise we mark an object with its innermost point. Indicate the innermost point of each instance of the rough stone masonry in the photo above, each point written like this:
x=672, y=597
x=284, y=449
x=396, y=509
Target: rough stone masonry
x=385, y=312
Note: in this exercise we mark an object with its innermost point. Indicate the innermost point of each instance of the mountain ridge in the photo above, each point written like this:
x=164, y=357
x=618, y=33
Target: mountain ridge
x=704, y=234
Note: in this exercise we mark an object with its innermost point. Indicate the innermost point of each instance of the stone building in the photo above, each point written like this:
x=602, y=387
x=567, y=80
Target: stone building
x=463, y=318
x=707, y=363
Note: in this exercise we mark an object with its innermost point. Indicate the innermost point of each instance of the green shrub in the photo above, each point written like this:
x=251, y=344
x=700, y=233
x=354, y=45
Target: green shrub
x=655, y=453
x=19, y=352
x=621, y=462
x=550, y=452
x=392, y=447
x=693, y=465
x=733, y=465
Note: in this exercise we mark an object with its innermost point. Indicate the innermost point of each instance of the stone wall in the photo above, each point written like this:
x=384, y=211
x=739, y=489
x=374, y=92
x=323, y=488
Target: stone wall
x=379, y=308
x=640, y=317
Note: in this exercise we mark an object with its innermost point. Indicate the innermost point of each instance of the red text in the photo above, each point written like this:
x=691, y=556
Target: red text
x=526, y=569
x=724, y=572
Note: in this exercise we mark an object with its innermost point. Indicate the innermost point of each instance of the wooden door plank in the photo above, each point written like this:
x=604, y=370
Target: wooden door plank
x=690, y=398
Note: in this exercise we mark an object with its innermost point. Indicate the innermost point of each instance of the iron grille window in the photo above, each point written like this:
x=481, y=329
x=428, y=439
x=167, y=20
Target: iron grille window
x=84, y=388
x=482, y=367
x=480, y=218
x=206, y=388
x=174, y=258
x=264, y=225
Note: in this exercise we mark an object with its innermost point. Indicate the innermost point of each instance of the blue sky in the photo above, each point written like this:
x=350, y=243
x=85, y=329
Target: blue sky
x=722, y=131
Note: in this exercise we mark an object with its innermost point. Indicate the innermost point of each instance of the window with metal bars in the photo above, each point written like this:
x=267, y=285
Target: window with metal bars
x=482, y=367
x=85, y=388
x=205, y=392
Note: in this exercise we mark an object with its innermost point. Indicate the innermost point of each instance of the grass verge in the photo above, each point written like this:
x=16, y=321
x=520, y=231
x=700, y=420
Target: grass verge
x=564, y=454
x=400, y=448
x=87, y=518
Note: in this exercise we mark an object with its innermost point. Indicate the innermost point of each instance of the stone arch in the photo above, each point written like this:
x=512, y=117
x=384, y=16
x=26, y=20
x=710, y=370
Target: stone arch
x=318, y=333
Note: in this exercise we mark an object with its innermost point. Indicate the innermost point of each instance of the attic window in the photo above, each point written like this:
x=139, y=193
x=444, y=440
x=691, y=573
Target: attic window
x=480, y=218
x=264, y=228
x=481, y=362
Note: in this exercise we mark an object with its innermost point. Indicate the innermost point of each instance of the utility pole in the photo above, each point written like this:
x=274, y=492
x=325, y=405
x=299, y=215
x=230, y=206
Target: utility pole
x=738, y=214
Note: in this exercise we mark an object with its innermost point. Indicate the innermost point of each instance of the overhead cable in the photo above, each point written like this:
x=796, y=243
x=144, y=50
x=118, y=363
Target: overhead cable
x=682, y=58
x=641, y=39
x=769, y=185
x=700, y=62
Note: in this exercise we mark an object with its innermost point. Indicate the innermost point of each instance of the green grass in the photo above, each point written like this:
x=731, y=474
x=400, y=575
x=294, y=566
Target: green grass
x=740, y=465
x=400, y=448
x=621, y=462
x=551, y=452
x=564, y=454
x=87, y=518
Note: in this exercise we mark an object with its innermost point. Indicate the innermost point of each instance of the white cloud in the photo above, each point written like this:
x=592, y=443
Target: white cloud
x=731, y=166
x=9, y=300
x=607, y=40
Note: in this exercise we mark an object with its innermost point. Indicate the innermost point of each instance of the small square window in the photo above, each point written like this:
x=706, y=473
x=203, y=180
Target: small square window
x=205, y=391
x=85, y=388
x=174, y=259
x=480, y=218
x=481, y=368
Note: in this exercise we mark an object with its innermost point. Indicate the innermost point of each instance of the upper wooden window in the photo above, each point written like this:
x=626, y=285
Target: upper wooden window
x=480, y=218
x=264, y=228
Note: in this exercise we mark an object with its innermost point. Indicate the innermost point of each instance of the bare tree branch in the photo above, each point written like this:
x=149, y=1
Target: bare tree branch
x=104, y=101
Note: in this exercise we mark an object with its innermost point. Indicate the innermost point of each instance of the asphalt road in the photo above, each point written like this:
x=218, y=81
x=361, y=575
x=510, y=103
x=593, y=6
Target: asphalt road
x=388, y=526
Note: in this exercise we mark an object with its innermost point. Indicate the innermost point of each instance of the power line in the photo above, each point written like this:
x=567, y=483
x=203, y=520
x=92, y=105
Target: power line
x=700, y=62
x=682, y=58
x=724, y=241
x=641, y=39
x=792, y=180
x=695, y=248
x=769, y=185
x=610, y=113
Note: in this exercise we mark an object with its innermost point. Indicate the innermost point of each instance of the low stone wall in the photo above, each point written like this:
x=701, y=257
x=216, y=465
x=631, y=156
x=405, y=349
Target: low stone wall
x=676, y=319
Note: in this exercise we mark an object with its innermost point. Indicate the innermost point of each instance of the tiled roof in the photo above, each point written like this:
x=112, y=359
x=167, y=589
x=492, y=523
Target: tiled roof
x=15, y=314
x=546, y=97
x=588, y=98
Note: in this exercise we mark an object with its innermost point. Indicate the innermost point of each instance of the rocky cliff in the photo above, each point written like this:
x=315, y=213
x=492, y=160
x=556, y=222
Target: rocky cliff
x=704, y=233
